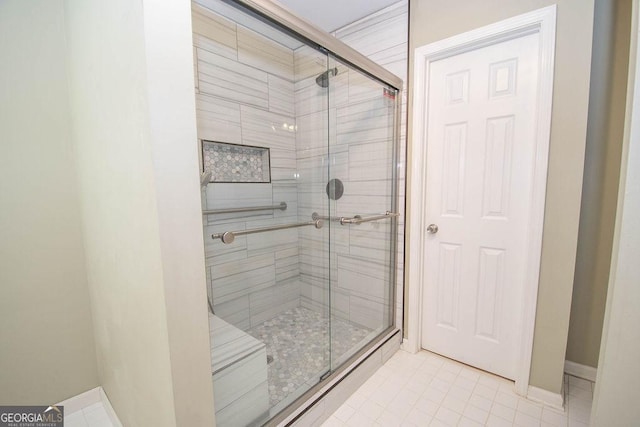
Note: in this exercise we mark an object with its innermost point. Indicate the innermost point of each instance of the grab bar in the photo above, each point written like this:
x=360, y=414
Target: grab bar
x=282, y=206
x=356, y=219
x=229, y=236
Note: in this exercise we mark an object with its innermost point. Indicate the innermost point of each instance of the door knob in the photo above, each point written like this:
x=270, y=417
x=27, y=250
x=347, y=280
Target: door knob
x=432, y=228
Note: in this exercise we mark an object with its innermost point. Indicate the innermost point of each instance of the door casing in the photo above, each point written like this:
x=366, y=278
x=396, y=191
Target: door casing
x=543, y=22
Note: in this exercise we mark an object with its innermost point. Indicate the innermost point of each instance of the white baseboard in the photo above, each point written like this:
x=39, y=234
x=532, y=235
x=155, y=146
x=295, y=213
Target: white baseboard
x=554, y=400
x=88, y=398
x=580, y=371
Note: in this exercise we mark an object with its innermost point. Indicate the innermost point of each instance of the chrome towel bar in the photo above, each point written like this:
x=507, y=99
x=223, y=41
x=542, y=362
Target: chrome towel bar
x=356, y=219
x=359, y=219
x=282, y=206
x=229, y=236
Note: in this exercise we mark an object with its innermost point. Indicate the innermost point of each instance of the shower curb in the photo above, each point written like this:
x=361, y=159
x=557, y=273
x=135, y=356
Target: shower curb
x=319, y=406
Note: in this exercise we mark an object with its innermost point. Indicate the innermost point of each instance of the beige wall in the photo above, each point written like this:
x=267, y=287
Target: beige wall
x=131, y=92
x=617, y=393
x=432, y=20
x=172, y=119
x=609, y=68
x=47, y=352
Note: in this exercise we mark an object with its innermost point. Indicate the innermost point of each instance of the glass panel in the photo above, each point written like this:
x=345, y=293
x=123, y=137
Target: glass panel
x=361, y=157
x=258, y=87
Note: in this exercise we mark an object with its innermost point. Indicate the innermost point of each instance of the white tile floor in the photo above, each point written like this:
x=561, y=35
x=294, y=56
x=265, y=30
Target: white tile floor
x=91, y=416
x=425, y=389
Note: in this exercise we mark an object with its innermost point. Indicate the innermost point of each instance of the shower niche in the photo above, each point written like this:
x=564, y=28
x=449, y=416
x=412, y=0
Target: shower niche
x=300, y=273
x=235, y=162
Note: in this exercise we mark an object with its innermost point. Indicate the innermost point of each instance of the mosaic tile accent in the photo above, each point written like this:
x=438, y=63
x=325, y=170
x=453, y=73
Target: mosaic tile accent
x=297, y=339
x=235, y=163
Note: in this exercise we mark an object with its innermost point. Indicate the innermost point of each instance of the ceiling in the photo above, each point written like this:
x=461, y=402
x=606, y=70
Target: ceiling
x=333, y=14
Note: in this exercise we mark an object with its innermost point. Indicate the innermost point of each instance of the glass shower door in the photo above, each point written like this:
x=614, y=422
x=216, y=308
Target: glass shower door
x=298, y=183
x=362, y=190
x=262, y=103
x=310, y=344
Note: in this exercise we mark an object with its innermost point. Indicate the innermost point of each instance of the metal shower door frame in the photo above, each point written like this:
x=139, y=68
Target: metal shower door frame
x=303, y=29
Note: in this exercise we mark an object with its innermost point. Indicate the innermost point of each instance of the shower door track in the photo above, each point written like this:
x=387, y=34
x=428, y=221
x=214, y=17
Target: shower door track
x=301, y=28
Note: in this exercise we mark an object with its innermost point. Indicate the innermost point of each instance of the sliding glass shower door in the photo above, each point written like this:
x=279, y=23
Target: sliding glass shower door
x=362, y=194
x=298, y=184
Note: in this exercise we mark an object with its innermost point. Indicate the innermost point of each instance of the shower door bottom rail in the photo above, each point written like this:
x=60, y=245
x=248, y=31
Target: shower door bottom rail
x=356, y=219
x=229, y=236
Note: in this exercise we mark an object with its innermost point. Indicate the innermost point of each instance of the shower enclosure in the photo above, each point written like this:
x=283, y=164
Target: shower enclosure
x=298, y=140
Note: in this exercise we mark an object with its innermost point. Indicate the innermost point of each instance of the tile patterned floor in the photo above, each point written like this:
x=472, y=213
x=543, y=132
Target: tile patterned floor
x=297, y=339
x=425, y=389
x=91, y=416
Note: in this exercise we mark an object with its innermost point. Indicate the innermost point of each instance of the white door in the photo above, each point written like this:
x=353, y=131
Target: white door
x=479, y=180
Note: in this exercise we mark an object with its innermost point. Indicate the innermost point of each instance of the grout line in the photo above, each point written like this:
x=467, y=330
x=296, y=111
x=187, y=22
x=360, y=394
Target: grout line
x=395, y=370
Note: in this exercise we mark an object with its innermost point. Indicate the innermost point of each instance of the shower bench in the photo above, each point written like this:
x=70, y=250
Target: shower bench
x=239, y=369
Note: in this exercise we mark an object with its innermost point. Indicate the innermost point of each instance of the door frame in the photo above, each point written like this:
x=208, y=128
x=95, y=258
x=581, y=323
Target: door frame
x=543, y=22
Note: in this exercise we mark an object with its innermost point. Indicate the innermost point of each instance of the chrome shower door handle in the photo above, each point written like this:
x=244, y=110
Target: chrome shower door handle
x=432, y=229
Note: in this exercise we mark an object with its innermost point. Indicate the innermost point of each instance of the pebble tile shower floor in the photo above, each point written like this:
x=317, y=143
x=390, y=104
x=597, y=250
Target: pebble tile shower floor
x=298, y=341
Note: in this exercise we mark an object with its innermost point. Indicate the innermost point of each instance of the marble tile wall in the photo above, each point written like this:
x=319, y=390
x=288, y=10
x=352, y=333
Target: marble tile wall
x=253, y=91
x=358, y=133
x=244, y=95
x=383, y=37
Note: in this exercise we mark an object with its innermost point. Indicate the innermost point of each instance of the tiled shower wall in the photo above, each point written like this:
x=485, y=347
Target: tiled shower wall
x=358, y=156
x=359, y=151
x=244, y=95
x=383, y=37
x=253, y=91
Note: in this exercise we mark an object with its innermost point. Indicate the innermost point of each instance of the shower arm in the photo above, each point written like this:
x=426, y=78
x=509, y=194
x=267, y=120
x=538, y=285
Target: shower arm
x=356, y=219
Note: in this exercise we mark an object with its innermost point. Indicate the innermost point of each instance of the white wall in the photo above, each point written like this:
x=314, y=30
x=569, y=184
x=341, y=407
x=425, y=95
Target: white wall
x=617, y=392
x=130, y=81
x=172, y=122
x=47, y=352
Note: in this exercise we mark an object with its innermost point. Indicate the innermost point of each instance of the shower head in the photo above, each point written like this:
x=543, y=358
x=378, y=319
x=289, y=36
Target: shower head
x=323, y=79
x=205, y=177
